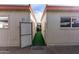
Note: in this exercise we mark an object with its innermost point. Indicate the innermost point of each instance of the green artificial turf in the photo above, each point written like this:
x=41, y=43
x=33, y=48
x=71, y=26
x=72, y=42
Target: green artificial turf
x=38, y=39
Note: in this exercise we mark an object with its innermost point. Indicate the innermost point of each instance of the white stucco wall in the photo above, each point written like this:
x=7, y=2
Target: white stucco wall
x=43, y=25
x=57, y=36
x=10, y=36
x=34, y=24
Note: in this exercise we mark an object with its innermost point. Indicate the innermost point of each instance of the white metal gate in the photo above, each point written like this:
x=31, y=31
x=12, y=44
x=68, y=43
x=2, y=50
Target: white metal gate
x=25, y=34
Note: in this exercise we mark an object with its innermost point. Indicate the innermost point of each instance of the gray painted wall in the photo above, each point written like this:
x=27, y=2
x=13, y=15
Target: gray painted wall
x=10, y=36
x=57, y=36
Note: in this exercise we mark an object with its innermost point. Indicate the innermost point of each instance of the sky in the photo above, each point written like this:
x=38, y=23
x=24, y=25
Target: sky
x=38, y=10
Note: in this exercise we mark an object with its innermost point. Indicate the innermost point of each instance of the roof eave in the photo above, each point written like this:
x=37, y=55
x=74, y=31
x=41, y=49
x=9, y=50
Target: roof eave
x=63, y=8
x=14, y=7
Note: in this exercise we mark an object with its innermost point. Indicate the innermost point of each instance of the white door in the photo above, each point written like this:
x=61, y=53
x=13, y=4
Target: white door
x=26, y=35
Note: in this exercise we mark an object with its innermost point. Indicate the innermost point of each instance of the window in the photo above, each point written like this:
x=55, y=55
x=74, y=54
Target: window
x=3, y=22
x=65, y=22
x=69, y=21
x=75, y=22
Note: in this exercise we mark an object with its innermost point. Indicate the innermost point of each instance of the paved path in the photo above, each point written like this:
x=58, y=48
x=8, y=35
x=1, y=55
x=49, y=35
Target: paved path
x=42, y=50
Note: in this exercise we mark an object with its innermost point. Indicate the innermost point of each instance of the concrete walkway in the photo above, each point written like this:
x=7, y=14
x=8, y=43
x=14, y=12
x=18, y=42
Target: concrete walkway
x=42, y=50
